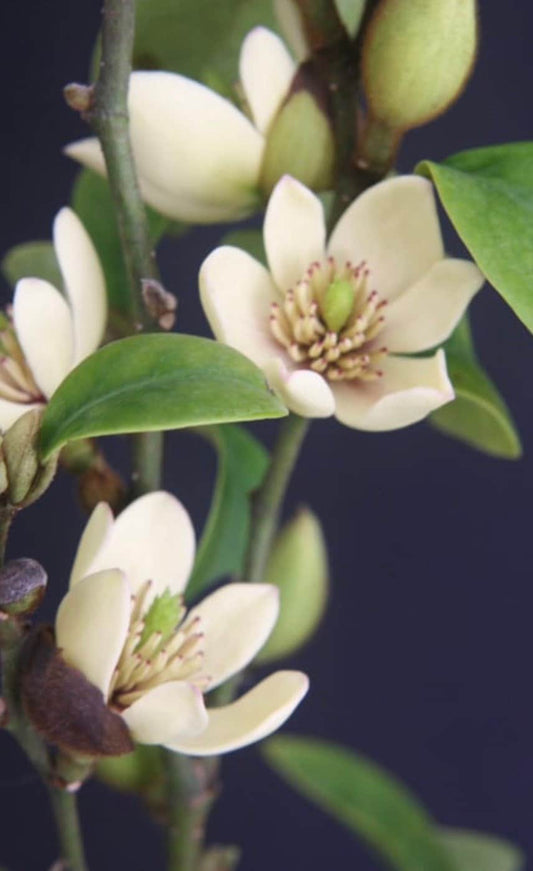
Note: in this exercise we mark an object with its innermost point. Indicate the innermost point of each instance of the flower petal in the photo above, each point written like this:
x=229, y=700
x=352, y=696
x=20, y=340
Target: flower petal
x=266, y=70
x=425, y=314
x=294, y=231
x=291, y=24
x=394, y=228
x=409, y=390
x=304, y=392
x=152, y=539
x=97, y=530
x=236, y=292
x=170, y=711
x=92, y=624
x=11, y=411
x=88, y=152
x=192, y=146
x=236, y=620
x=84, y=282
x=252, y=717
x=43, y=324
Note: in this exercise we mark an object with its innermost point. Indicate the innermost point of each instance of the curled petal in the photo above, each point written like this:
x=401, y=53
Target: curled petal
x=84, y=282
x=266, y=70
x=96, y=532
x=11, y=411
x=151, y=540
x=425, y=314
x=394, y=228
x=409, y=390
x=294, y=231
x=172, y=710
x=92, y=624
x=236, y=292
x=236, y=621
x=304, y=392
x=43, y=324
x=252, y=717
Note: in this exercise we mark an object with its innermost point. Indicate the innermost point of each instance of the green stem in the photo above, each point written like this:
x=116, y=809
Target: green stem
x=65, y=810
x=191, y=788
x=269, y=498
x=7, y=515
x=147, y=462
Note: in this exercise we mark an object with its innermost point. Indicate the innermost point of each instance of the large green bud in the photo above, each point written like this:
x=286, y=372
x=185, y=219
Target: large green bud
x=417, y=58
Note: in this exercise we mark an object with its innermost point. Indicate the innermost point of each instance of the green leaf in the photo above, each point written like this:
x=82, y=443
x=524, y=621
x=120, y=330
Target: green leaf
x=197, y=38
x=91, y=200
x=473, y=851
x=242, y=463
x=156, y=382
x=478, y=415
x=364, y=797
x=351, y=13
x=250, y=241
x=32, y=260
x=488, y=195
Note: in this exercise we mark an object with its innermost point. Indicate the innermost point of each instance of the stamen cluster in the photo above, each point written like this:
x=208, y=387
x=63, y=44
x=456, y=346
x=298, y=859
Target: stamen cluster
x=299, y=324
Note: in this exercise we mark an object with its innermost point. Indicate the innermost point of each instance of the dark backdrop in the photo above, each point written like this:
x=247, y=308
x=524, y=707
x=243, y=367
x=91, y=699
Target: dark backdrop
x=424, y=660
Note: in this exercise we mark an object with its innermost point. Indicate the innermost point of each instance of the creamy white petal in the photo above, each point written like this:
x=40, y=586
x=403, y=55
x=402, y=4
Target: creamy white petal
x=43, y=323
x=425, y=314
x=92, y=624
x=171, y=711
x=294, y=231
x=84, y=282
x=152, y=539
x=11, y=411
x=236, y=620
x=236, y=293
x=410, y=389
x=304, y=392
x=88, y=152
x=252, y=717
x=96, y=532
x=291, y=25
x=394, y=228
x=266, y=70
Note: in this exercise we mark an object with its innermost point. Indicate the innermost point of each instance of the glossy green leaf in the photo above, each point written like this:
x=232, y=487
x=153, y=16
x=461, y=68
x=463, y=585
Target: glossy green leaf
x=242, y=463
x=364, y=797
x=488, y=195
x=197, y=38
x=478, y=415
x=474, y=851
x=91, y=200
x=156, y=382
x=32, y=260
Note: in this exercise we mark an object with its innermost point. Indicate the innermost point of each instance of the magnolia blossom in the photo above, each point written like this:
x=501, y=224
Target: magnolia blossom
x=327, y=322
x=46, y=335
x=198, y=157
x=156, y=678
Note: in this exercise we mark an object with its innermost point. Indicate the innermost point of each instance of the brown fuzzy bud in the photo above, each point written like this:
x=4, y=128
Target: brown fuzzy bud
x=159, y=303
x=22, y=587
x=79, y=97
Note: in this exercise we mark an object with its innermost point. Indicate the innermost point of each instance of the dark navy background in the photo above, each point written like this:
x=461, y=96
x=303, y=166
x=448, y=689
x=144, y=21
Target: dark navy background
x=424, y=660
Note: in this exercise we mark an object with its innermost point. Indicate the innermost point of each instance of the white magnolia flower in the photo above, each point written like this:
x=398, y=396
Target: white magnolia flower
x=47, y=334
x=156, y=679
x=198, y=157
x=327, y=322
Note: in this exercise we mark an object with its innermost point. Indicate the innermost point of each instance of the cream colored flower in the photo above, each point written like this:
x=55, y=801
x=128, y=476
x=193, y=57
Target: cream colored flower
x=198, y=157
x=156, y=679
x=47, y=335
x=327, y=323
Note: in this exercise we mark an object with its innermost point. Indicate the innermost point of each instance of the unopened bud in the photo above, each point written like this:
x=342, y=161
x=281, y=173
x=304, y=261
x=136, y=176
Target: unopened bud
x=298, y=567
x=27, y=476
x=159, y=303
x=417, y=58
x=22, y=587
x=79, y=97
x=292, y=28
x=300, y=143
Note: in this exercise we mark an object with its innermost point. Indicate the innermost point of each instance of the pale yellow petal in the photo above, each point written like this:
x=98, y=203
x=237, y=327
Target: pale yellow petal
x=266, y=70
x=172, y=710
x=96, y=532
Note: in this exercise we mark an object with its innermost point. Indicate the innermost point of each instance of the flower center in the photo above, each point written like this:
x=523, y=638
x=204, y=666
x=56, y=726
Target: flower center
x=329, y=321
x=17, y=383
x=147, y=662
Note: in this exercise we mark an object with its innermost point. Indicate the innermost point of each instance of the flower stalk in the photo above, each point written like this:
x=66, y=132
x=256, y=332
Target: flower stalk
x=192, y=788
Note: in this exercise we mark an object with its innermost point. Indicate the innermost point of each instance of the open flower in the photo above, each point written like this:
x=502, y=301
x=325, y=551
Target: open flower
x=198, y=157
x=46, y=335
x=123, y=625
x=327, y=322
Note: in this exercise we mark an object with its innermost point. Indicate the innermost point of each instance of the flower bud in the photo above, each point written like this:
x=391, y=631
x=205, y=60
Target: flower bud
x=299, y=143
x=417, y=58
x=298, y=567
x=22, y=587
x=27, y=476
